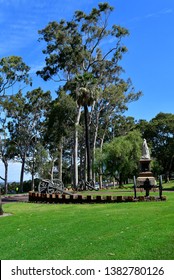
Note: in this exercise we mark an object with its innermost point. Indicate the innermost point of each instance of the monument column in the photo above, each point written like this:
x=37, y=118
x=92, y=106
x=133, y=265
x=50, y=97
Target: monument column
x=145, y=172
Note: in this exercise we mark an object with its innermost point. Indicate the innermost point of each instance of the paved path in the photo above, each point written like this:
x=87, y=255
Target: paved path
x=14, y=198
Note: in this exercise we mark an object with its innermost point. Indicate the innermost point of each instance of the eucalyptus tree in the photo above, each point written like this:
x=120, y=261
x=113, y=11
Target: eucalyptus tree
x=12, y=70
x=36, y=161
x=7, y=151
x=26, y=116
x=121, y=125
x=107, y=111
x=77, y=53
x=59, y=126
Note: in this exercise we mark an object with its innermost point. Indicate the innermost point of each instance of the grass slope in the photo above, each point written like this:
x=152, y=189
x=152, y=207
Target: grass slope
x=88, y=232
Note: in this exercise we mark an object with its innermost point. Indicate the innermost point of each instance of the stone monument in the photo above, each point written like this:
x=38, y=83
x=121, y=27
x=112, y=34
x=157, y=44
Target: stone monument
x=145, y=172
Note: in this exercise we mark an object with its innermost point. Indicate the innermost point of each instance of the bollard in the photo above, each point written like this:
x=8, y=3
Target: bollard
x=160, y=186
x=135, y=186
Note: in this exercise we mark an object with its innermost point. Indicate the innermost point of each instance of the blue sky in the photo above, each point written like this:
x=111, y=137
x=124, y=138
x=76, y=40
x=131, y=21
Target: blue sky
x=150, y=58
x=150, y=45
x=13, y=172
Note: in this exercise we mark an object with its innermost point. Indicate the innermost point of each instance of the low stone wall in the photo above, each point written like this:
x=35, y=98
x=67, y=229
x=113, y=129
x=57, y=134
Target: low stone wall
x=63, y=198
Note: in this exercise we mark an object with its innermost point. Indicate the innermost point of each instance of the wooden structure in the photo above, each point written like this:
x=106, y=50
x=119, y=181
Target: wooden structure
x=74, y=198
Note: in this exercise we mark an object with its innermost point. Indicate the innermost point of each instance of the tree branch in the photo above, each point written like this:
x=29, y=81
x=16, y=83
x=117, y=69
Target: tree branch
x=2, y=178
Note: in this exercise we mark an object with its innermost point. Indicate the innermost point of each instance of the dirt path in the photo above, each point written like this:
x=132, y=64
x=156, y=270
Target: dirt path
x=14, y=198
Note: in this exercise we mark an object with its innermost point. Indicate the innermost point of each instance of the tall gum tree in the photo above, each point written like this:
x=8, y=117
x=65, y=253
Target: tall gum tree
x=7, y=151
x=26, y=115
x=13, y=71
x=75, y=48
x=59, y=124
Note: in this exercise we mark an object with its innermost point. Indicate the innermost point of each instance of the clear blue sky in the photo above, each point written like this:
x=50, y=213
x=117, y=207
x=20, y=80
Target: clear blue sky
x=149, y=61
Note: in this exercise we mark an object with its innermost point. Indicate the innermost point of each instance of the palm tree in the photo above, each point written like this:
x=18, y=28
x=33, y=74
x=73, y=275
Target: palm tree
x=85, y=96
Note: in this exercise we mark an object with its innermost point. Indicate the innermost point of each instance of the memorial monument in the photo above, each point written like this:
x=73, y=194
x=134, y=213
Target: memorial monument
x=145, y=172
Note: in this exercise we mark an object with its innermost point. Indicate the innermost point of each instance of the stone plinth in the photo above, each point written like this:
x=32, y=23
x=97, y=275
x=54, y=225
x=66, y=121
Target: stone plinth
x=141, y=180
x=145, y=173
x=145, y=165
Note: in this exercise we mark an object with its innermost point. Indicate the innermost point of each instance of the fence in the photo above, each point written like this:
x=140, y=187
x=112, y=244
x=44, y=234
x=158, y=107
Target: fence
x=63, y=198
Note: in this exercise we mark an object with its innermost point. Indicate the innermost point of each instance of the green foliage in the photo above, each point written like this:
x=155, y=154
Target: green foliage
x=89, y=73
x=156, y=168
x=60, y=119
x=13, y=70
x=73, y=49
x=121, y=156
x=26, y=186
x=26, y=112
x=121, y=125
x=159, y=133
x=38, y=158
x=25, y=116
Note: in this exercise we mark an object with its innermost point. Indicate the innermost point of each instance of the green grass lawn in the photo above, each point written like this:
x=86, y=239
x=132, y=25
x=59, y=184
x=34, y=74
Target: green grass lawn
x=169, y=185
x=125, y=231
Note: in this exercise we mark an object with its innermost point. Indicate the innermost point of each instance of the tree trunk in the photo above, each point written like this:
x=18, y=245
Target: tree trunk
x=85, y=177
x=101, y=170
x=87, y=142
x=75, y=161
x=100, y=179
x=94, y=140
x=82, y=164
x=1, y=210
x=32, y=181
x=60, y=160
x=6, y=177
x=120, y=180
x=52, y=170
x=72, y=170
x=94, y=148
x=22, y=174
x=32, y=173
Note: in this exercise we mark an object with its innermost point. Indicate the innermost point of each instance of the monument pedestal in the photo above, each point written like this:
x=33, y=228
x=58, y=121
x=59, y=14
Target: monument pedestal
x=145, y=173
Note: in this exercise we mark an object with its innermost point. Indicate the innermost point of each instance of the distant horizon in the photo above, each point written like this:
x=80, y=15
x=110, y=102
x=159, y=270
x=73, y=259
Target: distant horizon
x=14, y=169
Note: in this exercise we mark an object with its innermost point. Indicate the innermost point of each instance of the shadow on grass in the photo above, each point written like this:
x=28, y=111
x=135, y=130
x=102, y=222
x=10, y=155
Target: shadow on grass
x=168, y=189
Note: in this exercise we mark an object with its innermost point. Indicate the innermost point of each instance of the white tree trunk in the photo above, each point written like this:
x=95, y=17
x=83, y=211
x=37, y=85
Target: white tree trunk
x=76, y=147
x=94, y=146
x=60, y=162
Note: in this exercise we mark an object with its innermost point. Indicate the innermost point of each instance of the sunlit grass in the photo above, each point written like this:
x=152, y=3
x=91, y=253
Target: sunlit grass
x=142, y=230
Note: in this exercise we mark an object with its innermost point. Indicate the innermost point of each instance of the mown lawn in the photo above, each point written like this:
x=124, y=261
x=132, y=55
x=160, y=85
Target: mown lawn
x=125, y=231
